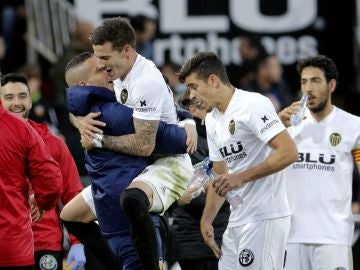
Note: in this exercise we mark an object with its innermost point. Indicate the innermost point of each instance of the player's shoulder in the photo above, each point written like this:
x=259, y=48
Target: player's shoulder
x=346, y=115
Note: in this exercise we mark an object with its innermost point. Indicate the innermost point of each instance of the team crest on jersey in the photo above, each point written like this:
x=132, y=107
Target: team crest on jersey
x=335, y=139
x=232, y=127
x=340, y=268
x=246, y=257
x=48, y=262
x=124, y=96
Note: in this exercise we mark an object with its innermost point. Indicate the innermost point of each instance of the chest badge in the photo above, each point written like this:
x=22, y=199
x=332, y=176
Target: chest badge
x=124, y=96
x=335, y=139
x=232, y=127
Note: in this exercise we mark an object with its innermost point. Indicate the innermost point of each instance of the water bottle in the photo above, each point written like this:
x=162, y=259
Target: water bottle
x=296, y=118
x=201, y=177
x=231, y=196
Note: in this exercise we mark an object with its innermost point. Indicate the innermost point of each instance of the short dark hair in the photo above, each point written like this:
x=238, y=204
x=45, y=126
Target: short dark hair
x=117, y=31
x=204, y=64
x=78, y=60
x=322, y=62
x=14, y=78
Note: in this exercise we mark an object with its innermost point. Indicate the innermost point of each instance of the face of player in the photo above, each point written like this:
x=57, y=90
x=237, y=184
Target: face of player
x=97, y=74
x=314, y=84
x=118, y=62
x=201, y=92
x=15, y=97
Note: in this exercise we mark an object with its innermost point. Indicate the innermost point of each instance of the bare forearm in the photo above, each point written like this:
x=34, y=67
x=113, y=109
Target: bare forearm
x=141, y=143
x=282, y=157
x=212, y=205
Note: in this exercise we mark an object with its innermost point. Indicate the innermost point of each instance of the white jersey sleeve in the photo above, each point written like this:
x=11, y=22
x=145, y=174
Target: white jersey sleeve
x=147, y=105
x=263, y=119
x=214, y=154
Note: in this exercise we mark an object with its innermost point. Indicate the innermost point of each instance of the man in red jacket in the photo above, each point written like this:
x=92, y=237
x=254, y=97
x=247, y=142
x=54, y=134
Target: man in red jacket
x=23, y=158
x=48, y=232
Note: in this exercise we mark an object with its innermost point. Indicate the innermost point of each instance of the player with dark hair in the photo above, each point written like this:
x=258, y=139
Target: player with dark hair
x=328, y=140
x=48, y=232
x=249, y=146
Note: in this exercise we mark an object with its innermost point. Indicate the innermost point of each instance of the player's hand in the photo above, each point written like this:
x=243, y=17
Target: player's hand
x=188, y=195
x=225, y=182
x=86, y=143
x=191, y=137
x=88, y=125
x=36, y=213
x=286, y=113
x=207, y=231
x=77, y=255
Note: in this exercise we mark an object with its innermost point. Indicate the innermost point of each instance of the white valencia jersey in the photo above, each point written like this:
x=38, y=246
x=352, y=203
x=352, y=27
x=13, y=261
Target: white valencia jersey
x=320, y=182
x=144, y=89
x=239, y=137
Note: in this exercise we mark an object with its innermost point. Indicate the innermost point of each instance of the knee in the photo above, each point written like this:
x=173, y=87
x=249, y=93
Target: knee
x=133, y=201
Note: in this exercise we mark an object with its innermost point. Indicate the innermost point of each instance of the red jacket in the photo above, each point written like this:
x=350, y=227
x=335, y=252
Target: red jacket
x=48, y=232
x=23, y=158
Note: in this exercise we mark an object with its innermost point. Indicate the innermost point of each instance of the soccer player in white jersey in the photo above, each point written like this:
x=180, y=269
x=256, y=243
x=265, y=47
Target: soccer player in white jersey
x=320, y=183
x=140, y=85
x=249, y=147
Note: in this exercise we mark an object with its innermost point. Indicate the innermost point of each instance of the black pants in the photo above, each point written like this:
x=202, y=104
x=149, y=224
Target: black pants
x=201, y=264
x=48, y=259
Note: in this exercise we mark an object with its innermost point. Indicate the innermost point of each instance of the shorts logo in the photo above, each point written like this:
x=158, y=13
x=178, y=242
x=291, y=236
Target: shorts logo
x=246, y=257
x=335, y=139
x=48, y=262
x=340, y=268
x=163, y=189
x=232, y=127
x=124, y=96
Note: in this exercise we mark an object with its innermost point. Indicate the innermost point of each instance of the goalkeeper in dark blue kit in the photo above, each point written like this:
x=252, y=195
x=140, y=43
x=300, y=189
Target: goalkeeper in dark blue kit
x=111, y=172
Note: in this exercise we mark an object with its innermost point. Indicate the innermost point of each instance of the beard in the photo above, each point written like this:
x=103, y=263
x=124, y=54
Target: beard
x=319, y=107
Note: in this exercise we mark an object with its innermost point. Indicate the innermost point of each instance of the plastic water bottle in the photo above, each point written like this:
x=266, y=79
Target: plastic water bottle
x=296, y=118
x=231, y=196
x=203, y=176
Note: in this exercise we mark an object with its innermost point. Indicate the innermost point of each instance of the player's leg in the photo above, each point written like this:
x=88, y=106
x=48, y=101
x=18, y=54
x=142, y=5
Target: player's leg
x=153, y=191
x=229, y=250
x=298, y=256
x=135, y=203
x=332, y=257
x=78, y=216
x=261, y=244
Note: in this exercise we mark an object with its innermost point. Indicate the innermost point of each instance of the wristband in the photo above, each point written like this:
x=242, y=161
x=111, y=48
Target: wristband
x=98, y=140
x=186, y=121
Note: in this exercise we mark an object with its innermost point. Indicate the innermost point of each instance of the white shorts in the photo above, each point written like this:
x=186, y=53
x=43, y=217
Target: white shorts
x=257, y=245
x=88, y=198
x=319, y=257
x=168, y=178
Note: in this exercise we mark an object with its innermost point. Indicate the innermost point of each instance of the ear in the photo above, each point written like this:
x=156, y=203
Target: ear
x=332, y=85
x=213, y=80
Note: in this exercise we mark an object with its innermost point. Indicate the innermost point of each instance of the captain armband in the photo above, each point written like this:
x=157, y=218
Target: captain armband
x=356, y=155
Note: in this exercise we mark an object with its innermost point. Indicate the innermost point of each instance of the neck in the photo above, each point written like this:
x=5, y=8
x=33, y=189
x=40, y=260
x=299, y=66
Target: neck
x=224, y=97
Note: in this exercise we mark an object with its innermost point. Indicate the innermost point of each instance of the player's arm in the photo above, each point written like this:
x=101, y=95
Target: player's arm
x=285, y=153
x=141, y=143
x=212, y=206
